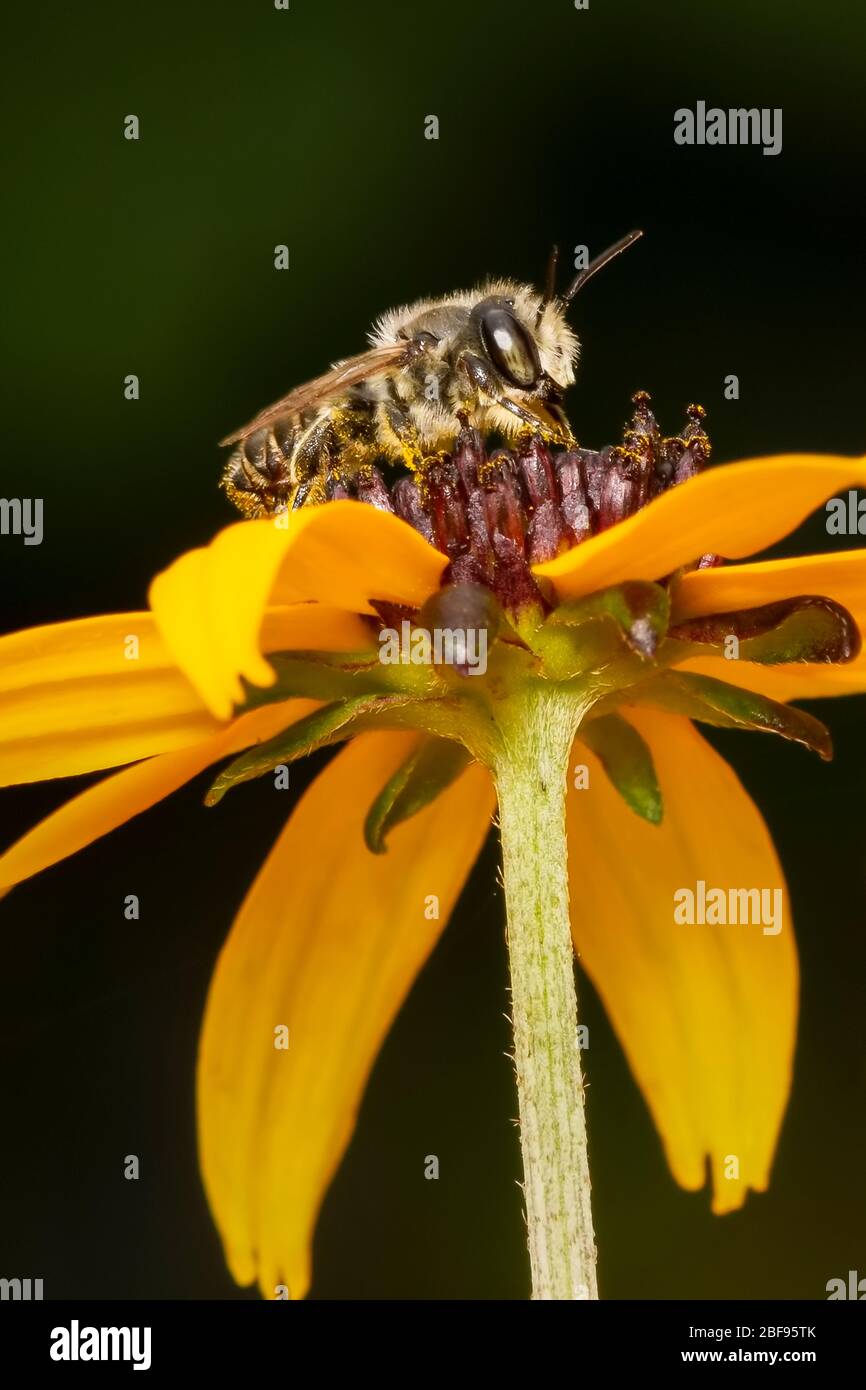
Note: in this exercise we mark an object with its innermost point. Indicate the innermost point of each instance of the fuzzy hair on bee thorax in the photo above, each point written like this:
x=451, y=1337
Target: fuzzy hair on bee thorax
x=445, y=317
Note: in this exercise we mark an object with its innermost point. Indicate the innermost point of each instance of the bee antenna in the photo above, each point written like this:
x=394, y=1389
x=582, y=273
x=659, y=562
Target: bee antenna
x=606, y=256
x=549, y=282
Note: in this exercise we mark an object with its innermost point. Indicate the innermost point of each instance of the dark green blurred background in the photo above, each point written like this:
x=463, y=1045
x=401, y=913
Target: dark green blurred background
x=261, y=127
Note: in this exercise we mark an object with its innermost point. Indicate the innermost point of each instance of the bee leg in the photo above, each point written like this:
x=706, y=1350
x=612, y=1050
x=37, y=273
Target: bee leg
x=311, y=458
x=355, y=442
x=398, y=428
x=485, y=383
x=302, y=493
x=556, y=411
x=408, y=443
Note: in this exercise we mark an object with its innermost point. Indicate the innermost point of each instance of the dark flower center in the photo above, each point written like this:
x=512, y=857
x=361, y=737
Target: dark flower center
x=495, y=515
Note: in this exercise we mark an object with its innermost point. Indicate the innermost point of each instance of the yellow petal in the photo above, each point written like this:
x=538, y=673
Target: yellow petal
x=209, y=604
x=840, y=576
x=327, y=944
x=313, y=627
x=79, y=696
x=115, y=800
x=790, y=681
x=706, y=1014
x=735, y=510
x=349, y=553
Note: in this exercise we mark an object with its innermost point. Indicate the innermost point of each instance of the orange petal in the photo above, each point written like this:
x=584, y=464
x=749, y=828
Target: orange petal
x=327, y=945
x=115, y=800
x=840, y=576
x=790, y=681
x=706, y=1014
x=313, y=627
x=79, y=696
x=735, y=510
x=210, y=603
x=99, y=692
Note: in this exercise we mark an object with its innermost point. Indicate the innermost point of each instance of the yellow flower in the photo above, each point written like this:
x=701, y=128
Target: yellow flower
x=332, y=935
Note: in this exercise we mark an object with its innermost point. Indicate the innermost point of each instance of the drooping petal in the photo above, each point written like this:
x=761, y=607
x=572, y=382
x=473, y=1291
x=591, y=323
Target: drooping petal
x=840, y=576
x=209, y=603
x=115, y=800
x=99, y=692
x=79, y=696
x=706, y=1014
x=736, y=510
x=792, y=681
x=327, y=944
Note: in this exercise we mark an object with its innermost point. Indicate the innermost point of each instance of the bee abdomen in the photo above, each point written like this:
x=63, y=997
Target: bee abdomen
x=269, y=450
x=259, y=477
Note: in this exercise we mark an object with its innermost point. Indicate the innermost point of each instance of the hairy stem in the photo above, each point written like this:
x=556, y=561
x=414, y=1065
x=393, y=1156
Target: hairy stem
x=531, y=767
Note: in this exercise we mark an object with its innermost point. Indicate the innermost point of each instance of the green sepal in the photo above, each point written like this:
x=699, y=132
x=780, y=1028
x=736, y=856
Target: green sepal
x=807, y=629
x=324, y=726
x=711, y=701
x=627, y=760
x=418, y=781
x=325, y=676
x=639, y=609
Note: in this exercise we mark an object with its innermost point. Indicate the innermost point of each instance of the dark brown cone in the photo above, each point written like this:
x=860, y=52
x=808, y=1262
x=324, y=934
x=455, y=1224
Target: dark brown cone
x=495, y=516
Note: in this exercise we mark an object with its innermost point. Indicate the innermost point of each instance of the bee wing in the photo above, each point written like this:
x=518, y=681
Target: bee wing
x=332, y=383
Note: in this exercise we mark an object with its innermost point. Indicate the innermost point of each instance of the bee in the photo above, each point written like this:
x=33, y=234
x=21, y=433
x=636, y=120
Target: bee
x=497, y=359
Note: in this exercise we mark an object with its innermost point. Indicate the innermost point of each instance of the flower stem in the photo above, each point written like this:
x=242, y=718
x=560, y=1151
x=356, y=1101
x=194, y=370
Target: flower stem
x=537, y=727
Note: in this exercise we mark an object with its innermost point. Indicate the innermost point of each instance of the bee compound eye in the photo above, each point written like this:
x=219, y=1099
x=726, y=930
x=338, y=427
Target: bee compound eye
x=510, y=348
